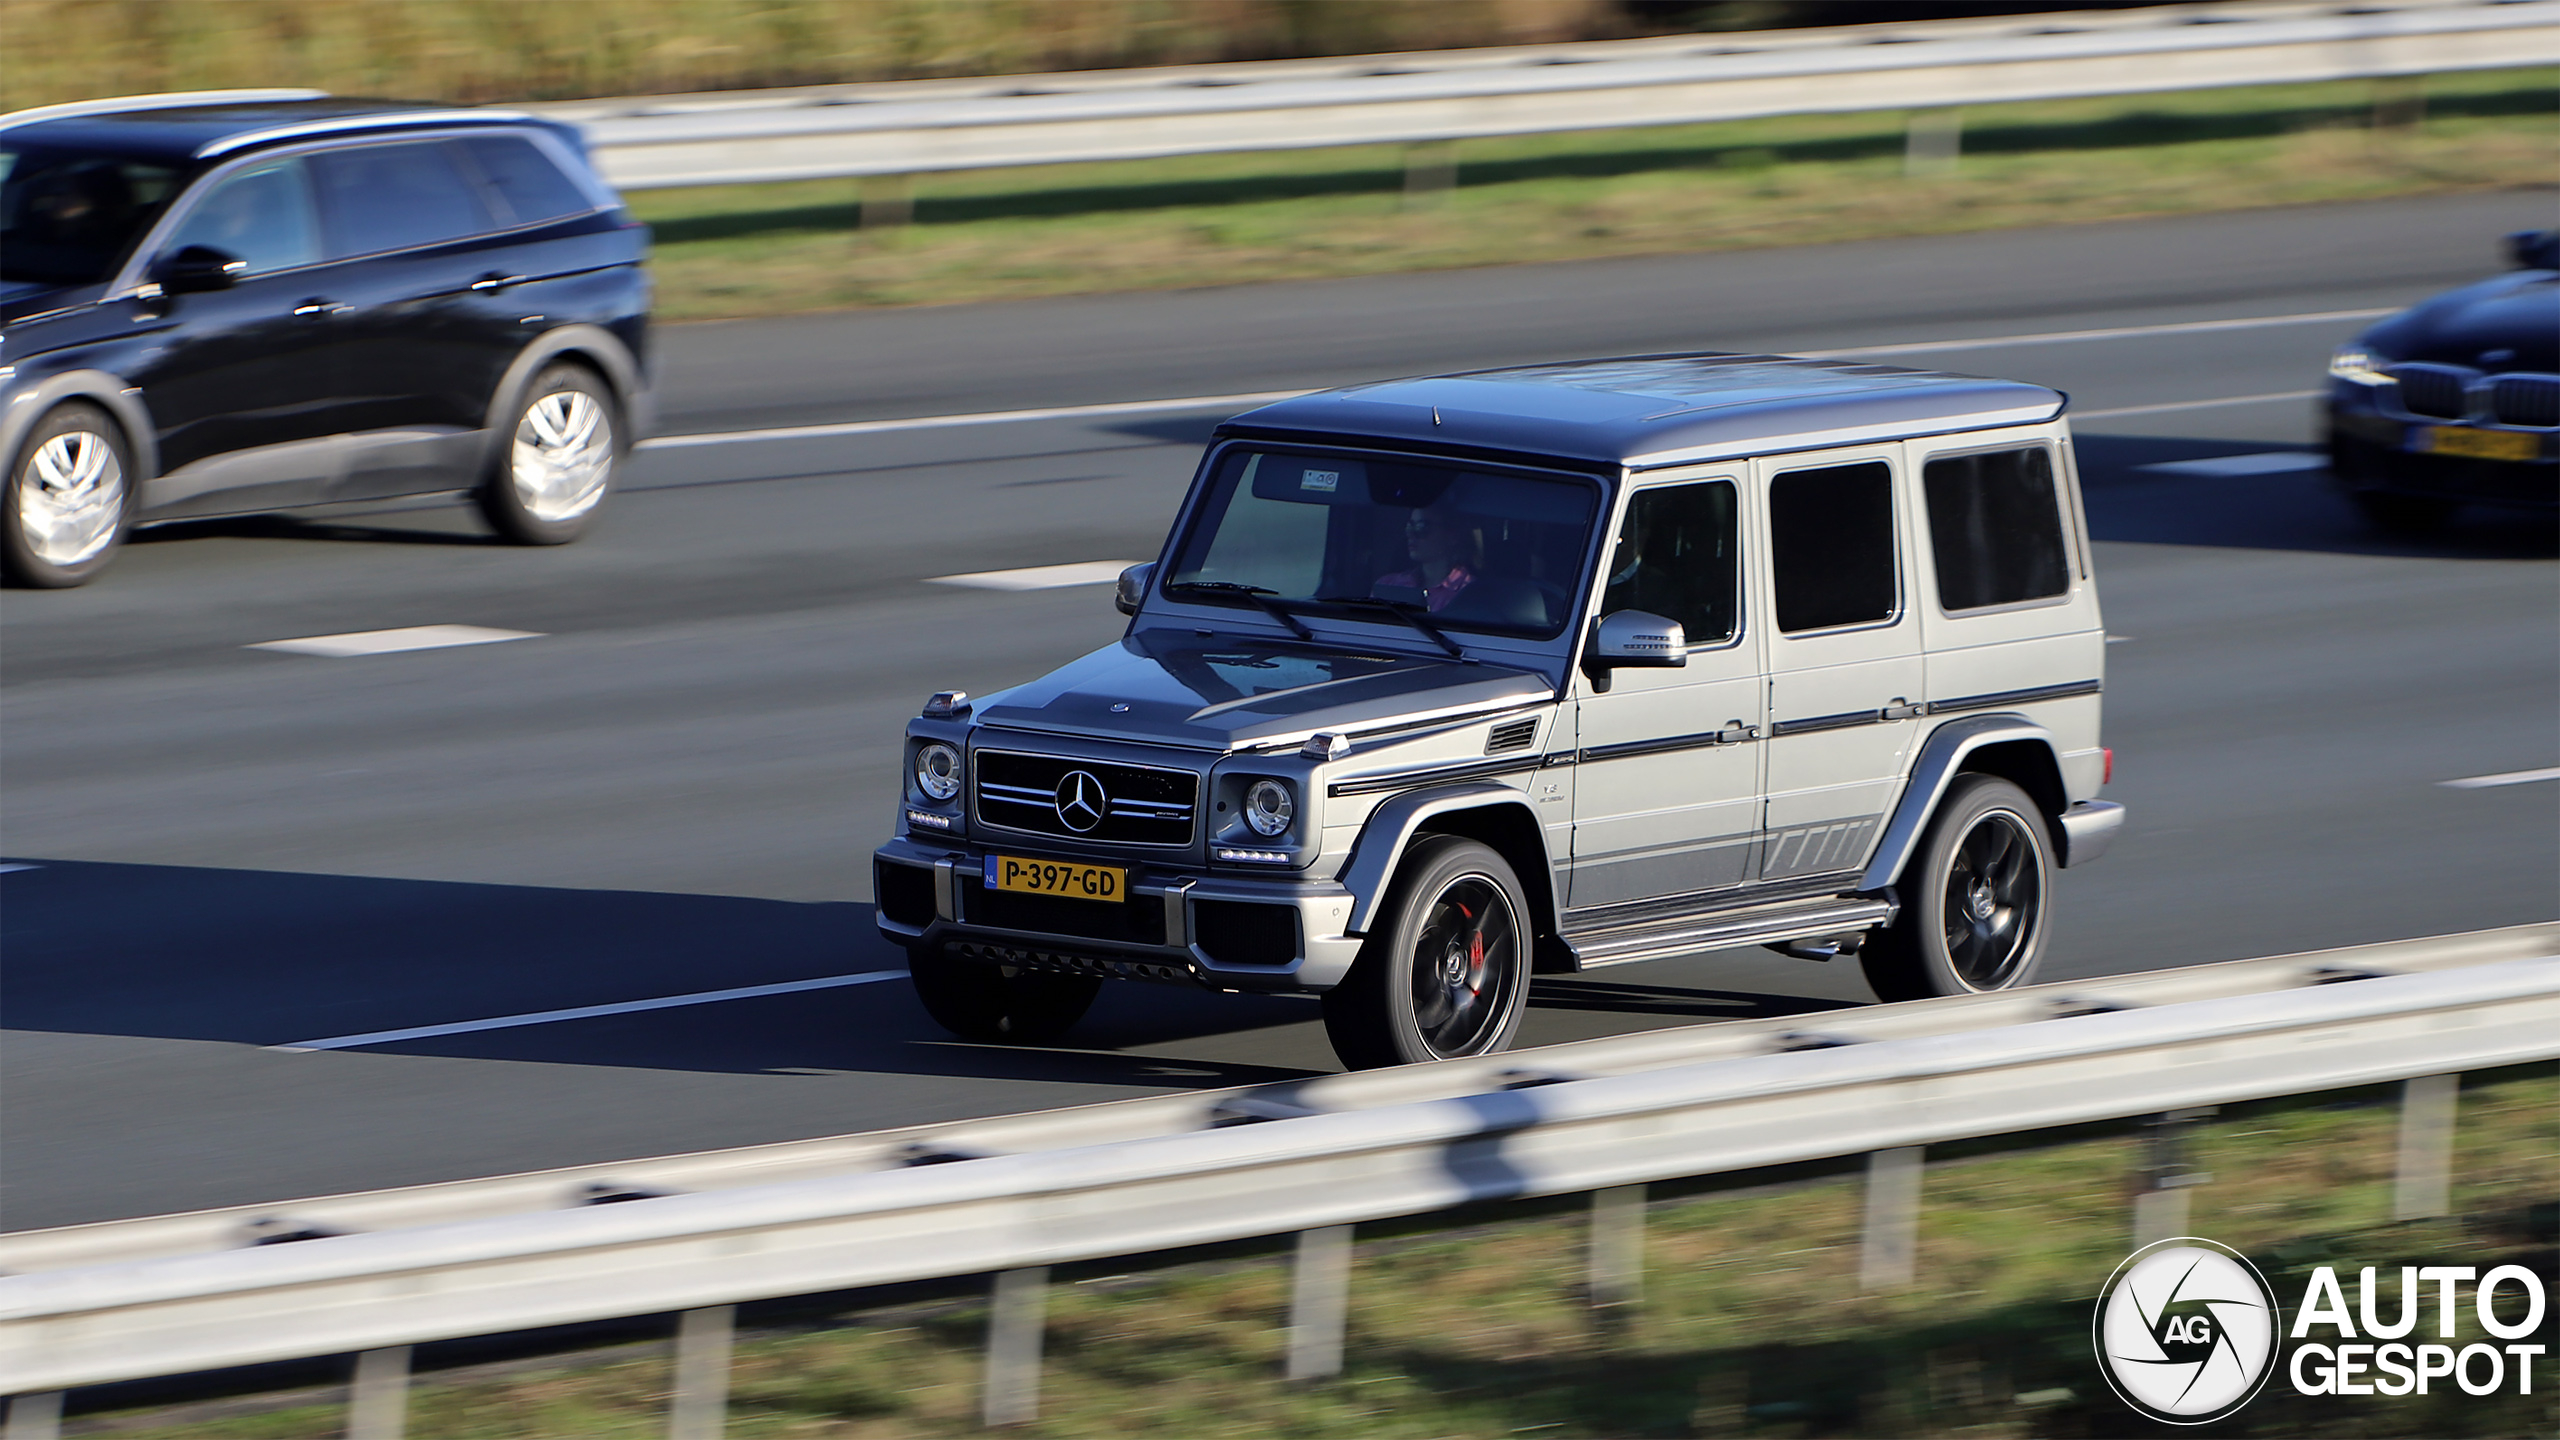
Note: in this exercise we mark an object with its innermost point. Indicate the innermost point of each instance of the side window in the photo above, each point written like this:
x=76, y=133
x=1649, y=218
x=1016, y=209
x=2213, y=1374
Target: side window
x=263, y=215
x=390, y=197
x=528, y=184
x=1995, y=528
x=1831, y=546
x=1676, y=558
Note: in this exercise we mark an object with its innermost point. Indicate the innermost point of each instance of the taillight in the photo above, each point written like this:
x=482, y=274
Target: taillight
x=2109, y=777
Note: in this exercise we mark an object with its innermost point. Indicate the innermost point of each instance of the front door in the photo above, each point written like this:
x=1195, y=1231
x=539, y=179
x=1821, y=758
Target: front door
x=1667, y=789
x=1845, y=671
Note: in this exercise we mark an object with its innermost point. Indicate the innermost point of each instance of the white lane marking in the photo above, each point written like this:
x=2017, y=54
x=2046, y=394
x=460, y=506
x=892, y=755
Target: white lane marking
x=2491, y=782
x=2268, y=399
x=1039, y=577
x=2266, y=462
x=2119, y=639
x=388, y=642
x=13, y=868
x=1265, y=397
x=2118, y=332
x=589, y=1012
x=983, y=417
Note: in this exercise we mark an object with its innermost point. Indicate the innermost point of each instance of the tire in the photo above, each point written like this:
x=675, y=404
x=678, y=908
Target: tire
x=1977, y=899
x=979, y=1001
x=556, y=460
x=2407, y=515
x=1447, y=972
x=69, y=499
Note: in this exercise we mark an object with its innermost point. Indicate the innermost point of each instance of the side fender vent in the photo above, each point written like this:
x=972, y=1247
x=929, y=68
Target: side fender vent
x=1512, y=735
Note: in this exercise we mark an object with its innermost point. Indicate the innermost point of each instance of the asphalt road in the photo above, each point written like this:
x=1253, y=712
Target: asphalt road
x=676, y=786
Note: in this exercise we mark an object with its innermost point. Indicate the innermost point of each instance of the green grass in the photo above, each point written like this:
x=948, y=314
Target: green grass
x=1751, y=1322
x=1214, y=220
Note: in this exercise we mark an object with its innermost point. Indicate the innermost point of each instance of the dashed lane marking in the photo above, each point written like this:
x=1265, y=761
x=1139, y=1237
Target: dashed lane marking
x=2264, y=462
x=2175, y=405
x=2492, y=782
x=388, y=642
x=590, y=1012
x=1039, y=577
x=982, y=417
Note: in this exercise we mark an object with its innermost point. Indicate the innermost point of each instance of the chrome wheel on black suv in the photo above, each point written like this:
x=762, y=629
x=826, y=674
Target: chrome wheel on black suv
x=1973, y=914
x=559, y=460
x=69, y=500
x=1449, y=975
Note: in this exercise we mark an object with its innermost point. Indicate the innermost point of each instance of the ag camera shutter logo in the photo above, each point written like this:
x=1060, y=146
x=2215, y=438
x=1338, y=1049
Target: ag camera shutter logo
x=2186, y=1331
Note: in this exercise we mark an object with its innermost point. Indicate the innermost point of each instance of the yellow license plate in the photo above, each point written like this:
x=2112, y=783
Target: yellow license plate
x=2479, y=444
x=1056, y=877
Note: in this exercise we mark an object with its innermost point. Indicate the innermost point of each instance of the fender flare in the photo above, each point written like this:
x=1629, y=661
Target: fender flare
x=25, y=407
x=1942, y=756
x=592, y=343
x=1390, y=831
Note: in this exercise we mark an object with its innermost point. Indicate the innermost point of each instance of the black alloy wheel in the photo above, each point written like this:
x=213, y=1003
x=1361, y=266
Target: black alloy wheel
x=978, y=1000
x=1447, y=972
x=1976, y=894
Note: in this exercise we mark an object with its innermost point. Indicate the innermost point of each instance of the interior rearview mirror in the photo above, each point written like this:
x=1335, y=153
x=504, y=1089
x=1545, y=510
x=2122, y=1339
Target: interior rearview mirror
x=198, y=268
x=1132, y=589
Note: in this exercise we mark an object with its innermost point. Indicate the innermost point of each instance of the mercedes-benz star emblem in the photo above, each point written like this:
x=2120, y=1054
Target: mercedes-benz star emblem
x=1080, y=801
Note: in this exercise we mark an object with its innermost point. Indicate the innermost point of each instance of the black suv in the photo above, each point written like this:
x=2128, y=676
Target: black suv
x=243, y=301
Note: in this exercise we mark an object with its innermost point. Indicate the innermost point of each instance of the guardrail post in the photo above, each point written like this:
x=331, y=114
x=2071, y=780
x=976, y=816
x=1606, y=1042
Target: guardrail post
x=1891, y=1253
x=1430, y=171
x=2422, y=1188
x=2399, y=102
x=1932, y=143
x=1013, y=1345
x=888, y=201
x=378, y=1401
x=699, y=1409
x=35, y=1417
x=1319, y=1302
x=2161, y=1206
x=1617, y=1246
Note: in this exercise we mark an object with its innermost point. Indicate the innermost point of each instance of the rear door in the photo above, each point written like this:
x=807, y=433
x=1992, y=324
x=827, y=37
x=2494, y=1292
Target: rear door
x=1844, y=655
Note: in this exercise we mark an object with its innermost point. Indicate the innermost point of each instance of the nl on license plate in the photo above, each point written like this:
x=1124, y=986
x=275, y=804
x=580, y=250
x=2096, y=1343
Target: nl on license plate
x=2478, y=444
x=1051, y=877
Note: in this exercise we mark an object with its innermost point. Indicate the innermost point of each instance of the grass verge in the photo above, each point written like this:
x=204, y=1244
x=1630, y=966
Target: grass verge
x=1751, y=1324
x=737, y=251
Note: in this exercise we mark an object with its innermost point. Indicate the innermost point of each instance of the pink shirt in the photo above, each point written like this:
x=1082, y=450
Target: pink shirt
x=1434, y=597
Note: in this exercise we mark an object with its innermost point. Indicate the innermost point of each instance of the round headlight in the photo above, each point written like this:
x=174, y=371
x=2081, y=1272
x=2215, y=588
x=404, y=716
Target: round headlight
x=1267, y=807
x=938, y=770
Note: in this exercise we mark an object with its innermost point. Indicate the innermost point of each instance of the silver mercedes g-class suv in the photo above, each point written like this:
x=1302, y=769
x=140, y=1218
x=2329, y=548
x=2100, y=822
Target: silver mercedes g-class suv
x=1441, y=683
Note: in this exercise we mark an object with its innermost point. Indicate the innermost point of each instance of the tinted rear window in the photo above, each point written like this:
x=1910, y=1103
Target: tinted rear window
x=528, y=184
x=390, y=197
x=1995, y=528
x=1831, y=545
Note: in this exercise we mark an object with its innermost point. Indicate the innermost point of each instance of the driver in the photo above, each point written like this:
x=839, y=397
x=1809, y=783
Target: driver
x=1447, y=553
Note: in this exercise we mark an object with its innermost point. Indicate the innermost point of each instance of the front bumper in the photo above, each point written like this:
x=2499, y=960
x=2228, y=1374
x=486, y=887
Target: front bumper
x=2376, y=445
x=1223, y=931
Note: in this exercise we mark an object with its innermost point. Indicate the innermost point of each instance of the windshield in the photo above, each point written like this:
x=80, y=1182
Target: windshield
x=1460, y=548
x=67, y=217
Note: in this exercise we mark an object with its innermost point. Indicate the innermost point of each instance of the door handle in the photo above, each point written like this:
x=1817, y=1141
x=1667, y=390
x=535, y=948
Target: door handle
x=493, y=282
x=1735, y=733
x=319, y=306
x=1901, y=709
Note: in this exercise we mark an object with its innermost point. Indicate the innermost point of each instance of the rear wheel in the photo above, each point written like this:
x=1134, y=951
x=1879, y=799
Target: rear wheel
x=558, y=461
x=1447, y=973
x=1975, y=896
x=69, y=500
x=976, y=1000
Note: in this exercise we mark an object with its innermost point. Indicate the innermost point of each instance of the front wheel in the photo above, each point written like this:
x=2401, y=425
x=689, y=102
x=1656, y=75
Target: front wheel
x=69, y=500
x=976, y=1000
x=559, y=459
x=1447, y=974
x=1973, y=916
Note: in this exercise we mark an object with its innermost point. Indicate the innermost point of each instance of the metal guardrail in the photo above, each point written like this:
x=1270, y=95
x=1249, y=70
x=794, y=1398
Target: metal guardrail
x=924, y=126
x=2462, y=1003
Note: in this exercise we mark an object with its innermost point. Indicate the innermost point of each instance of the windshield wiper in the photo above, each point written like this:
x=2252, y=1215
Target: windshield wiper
x=1259, y=595
x=1409, y=613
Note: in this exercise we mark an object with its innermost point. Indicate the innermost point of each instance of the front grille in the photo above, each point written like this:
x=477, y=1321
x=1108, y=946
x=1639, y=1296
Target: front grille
x=1135, y=921
x=2433, y=390
x=1058, y=962
x=1136, y=804
x=2526, y=400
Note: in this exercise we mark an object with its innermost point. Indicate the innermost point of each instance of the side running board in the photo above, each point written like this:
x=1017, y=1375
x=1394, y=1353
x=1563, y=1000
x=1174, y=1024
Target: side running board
x=1684, y=935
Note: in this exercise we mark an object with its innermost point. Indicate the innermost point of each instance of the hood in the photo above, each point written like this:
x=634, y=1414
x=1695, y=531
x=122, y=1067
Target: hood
x=1218, y=693
x=2511, y=322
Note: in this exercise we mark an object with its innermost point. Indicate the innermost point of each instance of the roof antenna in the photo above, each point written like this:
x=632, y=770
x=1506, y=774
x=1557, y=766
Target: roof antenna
x=1435, y=414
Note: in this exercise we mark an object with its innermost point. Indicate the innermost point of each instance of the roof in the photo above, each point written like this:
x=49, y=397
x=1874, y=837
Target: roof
x=180, y=128
x=1651, y=410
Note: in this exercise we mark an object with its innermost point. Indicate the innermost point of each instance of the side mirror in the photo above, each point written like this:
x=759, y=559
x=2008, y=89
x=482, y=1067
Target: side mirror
x=2534, y=249
x=1635, y=639
x=198, y=268
x=1132, y=589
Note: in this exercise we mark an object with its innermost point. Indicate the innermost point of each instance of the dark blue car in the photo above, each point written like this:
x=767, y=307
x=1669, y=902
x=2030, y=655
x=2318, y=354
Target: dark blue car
x=2456, y=400
x=246, y=301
